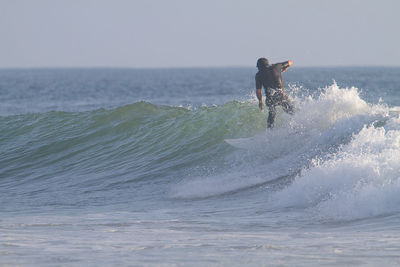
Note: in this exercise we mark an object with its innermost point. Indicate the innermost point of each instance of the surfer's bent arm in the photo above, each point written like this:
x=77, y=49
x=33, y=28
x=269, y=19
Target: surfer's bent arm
x=259, y=97
x=286, y=65
x=258, y=91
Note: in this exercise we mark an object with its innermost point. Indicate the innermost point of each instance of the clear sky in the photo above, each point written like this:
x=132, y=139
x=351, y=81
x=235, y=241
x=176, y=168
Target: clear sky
x=198, y=33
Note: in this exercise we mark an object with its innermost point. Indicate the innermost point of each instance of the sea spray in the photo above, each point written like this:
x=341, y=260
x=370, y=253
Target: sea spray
x=320, y=126
x=360, y=180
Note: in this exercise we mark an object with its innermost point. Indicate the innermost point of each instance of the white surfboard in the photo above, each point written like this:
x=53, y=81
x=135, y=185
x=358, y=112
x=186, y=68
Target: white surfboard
x=250, y=143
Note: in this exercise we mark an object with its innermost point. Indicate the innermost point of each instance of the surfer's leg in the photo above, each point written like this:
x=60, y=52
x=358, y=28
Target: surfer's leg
x=287, y=105
x=271, y=116
x=270, y=102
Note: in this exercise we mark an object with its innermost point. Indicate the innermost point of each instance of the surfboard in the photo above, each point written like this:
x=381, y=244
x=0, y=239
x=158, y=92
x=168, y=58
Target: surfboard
x=251, y=143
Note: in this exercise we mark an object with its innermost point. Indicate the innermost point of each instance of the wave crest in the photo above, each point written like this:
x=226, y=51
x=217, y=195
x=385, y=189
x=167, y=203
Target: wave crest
x=320, y=127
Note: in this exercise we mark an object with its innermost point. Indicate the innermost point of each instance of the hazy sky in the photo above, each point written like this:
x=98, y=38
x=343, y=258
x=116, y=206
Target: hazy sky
x=189, y=33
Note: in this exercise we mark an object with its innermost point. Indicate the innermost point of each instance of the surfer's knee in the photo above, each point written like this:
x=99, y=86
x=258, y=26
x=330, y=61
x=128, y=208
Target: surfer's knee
x=288, y=107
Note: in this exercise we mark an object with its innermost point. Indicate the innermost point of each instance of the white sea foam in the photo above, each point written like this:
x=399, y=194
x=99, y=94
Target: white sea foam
x=319, y=125
x=332, y=109
x=361, y=180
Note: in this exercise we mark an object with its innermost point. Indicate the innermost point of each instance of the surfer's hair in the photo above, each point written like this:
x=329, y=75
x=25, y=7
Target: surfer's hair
x=262, y=63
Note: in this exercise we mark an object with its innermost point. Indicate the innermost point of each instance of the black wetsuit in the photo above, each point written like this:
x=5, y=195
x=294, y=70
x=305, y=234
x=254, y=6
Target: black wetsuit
x=270, y=77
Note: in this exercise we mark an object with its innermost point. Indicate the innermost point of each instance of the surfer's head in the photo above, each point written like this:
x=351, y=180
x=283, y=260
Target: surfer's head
x=262, y=63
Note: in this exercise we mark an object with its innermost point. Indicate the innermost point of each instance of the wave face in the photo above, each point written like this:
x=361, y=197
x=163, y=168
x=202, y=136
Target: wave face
x=336, y=157
x=108, y=149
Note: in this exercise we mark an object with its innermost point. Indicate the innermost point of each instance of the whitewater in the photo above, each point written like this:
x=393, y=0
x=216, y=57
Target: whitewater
x=176, y=167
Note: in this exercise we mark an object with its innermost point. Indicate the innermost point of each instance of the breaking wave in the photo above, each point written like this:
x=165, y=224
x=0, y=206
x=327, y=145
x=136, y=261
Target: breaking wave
x=337, y=157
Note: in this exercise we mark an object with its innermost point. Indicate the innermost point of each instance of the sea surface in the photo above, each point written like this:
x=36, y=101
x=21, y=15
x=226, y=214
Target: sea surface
x=166, y=167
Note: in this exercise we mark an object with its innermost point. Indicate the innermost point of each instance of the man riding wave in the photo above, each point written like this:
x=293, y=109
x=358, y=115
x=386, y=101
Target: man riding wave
x=270, y=77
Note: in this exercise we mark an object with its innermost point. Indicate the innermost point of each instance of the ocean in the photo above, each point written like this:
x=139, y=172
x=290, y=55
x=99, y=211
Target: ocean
x=166, y=167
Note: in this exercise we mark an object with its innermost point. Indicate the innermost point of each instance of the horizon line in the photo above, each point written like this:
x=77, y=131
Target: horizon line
x=186, y=67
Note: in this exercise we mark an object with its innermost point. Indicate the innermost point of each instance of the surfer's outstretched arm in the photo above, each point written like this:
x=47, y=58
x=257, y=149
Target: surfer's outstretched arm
x=286, y=65
x=259, y=97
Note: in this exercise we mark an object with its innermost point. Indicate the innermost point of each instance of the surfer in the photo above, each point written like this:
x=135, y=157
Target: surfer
x=270, y=77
